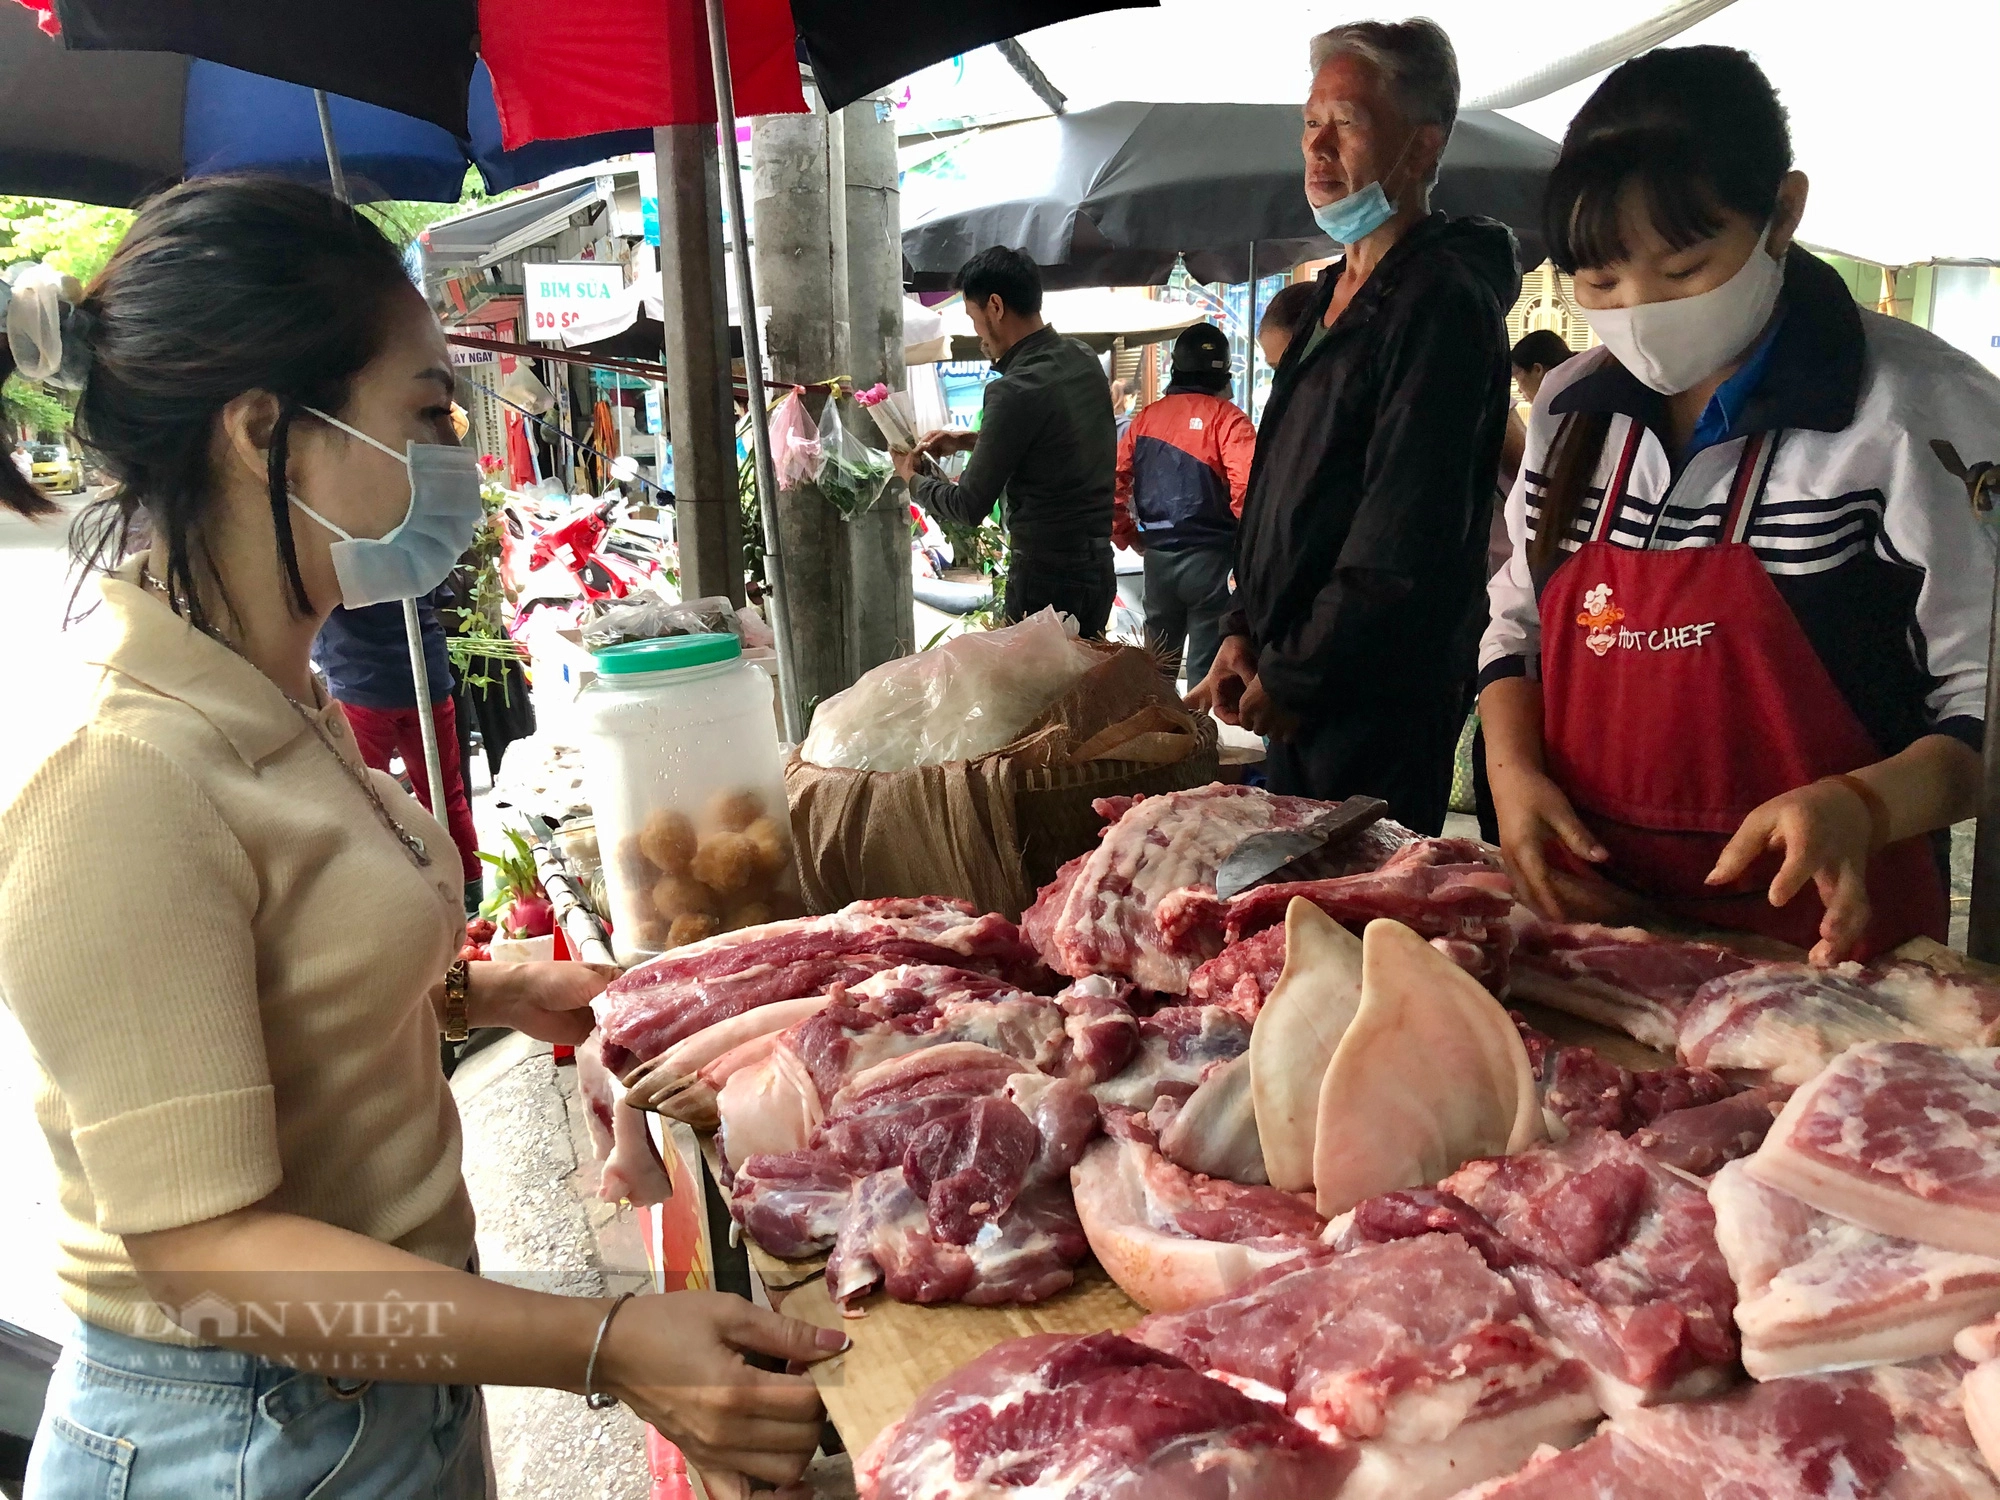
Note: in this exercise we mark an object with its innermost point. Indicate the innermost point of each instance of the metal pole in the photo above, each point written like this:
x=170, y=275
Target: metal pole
x=412, y=627
x=1982, y=937
x=753, y=369
x=333, y=167
x=1250, y=341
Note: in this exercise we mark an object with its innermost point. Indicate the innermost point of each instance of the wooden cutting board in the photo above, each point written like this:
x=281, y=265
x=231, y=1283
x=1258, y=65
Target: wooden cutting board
x=900, y=1349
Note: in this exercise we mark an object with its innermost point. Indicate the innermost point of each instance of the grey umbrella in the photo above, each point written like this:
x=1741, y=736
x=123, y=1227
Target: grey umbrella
x=1110, y=196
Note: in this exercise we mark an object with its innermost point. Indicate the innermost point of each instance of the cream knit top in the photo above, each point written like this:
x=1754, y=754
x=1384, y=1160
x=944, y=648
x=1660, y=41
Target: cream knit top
x=221, y=959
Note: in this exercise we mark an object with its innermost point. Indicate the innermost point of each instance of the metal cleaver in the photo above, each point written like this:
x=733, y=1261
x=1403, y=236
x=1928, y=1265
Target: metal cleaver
x=1262, y=855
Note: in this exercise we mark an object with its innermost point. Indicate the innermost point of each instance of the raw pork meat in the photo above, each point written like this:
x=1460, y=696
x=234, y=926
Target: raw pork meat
x=1093, y=1418
x=774, y=1103
x=1898, y=1137
x=1430, y=1073
x=1614, y=1254
x=1704, y=1136
x=1791, y=1020
x=1981, y=1396
x=1215, y=1131
x=1816, y=1293
x=1294, y=1037
x=1895, y=1432
x=1413, y=1354
x=1621, y=977
x=1241, y=975
x=1173, y=1238
x=1461, y=905
x=1582, y=1088
x=632, y=1171
x=694, y=987
x=684, y=1079
x=941, y=1175
x=1097, y=917
x=1179, y=1045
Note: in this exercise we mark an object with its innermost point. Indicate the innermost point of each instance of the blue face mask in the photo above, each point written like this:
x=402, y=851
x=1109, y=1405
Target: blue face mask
x=421, y=550
x=1350, y=220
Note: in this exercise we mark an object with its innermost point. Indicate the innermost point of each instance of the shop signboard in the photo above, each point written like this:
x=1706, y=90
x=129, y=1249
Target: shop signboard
x=563, y=294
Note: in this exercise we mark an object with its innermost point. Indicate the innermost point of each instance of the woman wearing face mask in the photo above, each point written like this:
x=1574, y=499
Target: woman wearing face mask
x=228, y=941
x=1748, y=684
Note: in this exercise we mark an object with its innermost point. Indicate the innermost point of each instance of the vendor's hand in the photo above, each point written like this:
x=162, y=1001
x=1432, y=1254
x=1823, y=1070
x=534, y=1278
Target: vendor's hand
x=945, y=441
x=677, y=1361
x=547, y=1001
x=906, y=462
x=1221, y=691
x=1824, y=832
x=1533, y=813
x=1262, y=714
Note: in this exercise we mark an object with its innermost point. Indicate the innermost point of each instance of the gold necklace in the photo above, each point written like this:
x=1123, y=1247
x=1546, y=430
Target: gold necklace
x=413, y=846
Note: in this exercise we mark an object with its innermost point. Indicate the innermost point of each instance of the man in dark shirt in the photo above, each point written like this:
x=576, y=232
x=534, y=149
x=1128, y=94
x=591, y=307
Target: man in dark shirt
x=1360, y=563
x=1046, y=449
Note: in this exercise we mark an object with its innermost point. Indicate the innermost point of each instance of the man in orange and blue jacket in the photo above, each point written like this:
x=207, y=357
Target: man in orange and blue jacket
x=1183, y=465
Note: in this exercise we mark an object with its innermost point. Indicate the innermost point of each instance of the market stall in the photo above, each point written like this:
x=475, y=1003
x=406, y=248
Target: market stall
x=1023, y=1160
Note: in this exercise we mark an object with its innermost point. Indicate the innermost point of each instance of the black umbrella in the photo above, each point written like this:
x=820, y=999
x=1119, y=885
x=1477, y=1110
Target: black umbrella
x=416, y=58
x=1111, y=196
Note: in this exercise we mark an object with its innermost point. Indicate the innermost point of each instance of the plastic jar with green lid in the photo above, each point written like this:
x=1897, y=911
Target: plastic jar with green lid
x=687, y=784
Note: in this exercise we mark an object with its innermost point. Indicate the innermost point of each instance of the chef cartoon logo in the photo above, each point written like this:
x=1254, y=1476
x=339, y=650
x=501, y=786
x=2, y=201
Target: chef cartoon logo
x=1600, y=619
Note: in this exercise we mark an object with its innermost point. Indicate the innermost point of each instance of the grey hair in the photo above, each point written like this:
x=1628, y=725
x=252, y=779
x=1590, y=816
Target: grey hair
x=1414, y=57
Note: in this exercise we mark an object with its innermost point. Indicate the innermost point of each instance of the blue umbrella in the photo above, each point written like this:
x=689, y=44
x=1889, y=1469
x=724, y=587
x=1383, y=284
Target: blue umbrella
x=110, y=127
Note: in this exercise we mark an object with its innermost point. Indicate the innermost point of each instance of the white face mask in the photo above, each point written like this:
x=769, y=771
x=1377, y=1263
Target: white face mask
x=419, y=552
x=1672, y=345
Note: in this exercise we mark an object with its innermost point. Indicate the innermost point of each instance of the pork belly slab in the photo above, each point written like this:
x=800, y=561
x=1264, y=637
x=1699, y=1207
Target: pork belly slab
x=646, y=1011
x=1814, y=1293
x=1893, y=1432
x=1625, y=978
x=1171, y=1238
x=1899, y=1137
x=1787, y=1021
x=1096, y=1417
x=1414, y=1354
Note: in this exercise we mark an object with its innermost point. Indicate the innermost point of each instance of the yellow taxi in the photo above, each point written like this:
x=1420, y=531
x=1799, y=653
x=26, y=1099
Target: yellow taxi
x=54, y=467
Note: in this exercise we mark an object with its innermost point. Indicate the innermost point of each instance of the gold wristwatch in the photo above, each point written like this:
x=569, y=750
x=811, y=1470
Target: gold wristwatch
x=455, y=979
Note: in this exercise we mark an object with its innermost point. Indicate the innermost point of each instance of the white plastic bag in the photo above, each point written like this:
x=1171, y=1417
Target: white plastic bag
x=525, y=391
x=961, y=700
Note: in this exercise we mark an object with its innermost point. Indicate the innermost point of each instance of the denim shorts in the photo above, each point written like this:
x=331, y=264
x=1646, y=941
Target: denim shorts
x=131, y=1419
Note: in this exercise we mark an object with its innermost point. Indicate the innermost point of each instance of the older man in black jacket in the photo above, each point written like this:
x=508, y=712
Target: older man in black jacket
x=1047, y=440
x=1360, y=565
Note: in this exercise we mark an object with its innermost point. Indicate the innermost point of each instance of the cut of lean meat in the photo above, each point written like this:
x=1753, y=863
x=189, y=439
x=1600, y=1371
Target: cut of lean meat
x=1179, y=1045
x=1172, y=1238
x=1894, y=1432
x=1614, y=1255
x=693, y=987
x=1413, y=1355
x=1096, y=1417
x=1788, y=1021
x=1815, y=1293
x=1898, y=1137
x=1622, y=977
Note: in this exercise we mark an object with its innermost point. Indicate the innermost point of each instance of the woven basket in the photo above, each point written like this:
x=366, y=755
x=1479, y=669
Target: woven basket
x=1053, y=809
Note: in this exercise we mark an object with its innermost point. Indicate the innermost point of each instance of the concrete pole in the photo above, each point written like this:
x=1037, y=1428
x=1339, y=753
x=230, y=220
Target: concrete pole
x=801, y=272
x=883, y=626
x=701, y=417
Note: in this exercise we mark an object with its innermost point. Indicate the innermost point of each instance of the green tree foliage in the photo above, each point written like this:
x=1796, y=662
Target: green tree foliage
x=76, y=238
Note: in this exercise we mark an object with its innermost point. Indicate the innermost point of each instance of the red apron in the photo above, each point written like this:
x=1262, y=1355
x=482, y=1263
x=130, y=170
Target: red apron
x=1679, y=694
